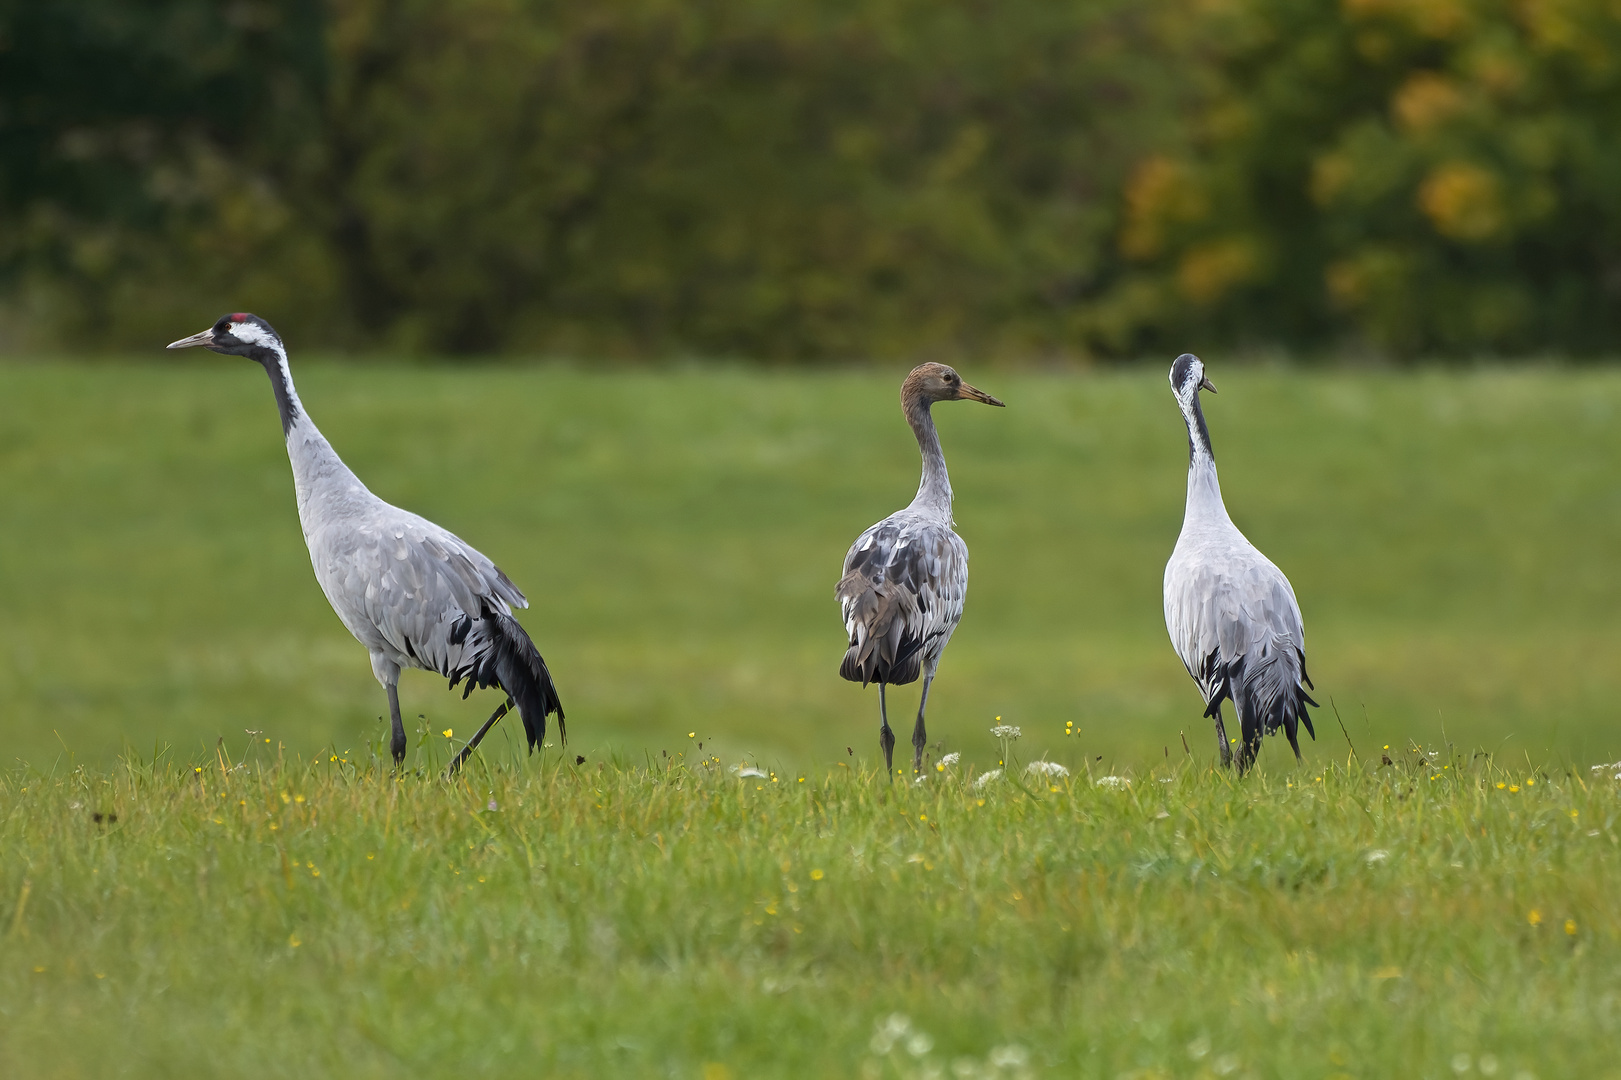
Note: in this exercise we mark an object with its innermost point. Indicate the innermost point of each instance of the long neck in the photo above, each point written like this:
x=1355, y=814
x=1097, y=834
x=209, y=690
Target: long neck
x=319, y=475
x=1204, y=490
x=934, y=490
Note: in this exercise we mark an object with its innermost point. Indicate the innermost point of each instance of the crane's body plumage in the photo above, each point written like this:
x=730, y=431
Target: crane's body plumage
x=1231, y=614
x=906, y=578
x=414, y=594
x=902, y=593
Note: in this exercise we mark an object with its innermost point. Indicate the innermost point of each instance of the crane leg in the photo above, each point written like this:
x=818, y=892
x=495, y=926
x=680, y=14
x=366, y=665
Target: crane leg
x=920, y=737
x=478, y=737
x=886, y=737
x=1221, y=737
x=1250, y=741
x=397, y=745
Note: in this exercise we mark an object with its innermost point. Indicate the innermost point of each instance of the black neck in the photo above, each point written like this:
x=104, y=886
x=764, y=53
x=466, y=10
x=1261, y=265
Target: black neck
x=285, y=404
x=1198, y=433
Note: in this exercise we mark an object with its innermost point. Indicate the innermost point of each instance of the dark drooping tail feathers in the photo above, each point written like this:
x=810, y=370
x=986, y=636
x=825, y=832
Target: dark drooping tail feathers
x=895, y=666
x=885, y=643
x=510, y=662
x=1268, y=695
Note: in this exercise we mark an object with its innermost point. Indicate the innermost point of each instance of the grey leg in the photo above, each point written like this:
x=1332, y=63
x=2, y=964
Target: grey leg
x=1250, y=745
x=920, y=737
x=1221, y=737
x=388, y=673
x=398, y=744
x=478, y=737
x=886, y=737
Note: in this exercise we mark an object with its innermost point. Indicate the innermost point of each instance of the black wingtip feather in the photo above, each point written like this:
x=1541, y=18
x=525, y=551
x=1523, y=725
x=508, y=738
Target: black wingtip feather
x=1257, y=720
x=905, y=668
x=514, y=664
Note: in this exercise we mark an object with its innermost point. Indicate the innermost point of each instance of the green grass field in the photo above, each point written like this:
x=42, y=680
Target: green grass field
x=271, y=904
x=1452, y=539
x=1437, y=916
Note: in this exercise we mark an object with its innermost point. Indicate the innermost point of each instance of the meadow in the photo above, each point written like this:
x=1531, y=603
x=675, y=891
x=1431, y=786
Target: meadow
x=1440, y=916
x=1451, y=536
x=204, y=870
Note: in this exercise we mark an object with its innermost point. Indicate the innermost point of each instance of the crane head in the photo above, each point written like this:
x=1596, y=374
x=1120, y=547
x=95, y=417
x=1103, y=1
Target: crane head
x=937, y=382
x=1188, y=377
x=239, y=334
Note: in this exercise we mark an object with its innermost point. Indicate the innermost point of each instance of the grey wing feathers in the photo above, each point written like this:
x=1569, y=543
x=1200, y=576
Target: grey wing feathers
x=417, y=580
x=422, y=597
x=1236, y=626
x=902, y=596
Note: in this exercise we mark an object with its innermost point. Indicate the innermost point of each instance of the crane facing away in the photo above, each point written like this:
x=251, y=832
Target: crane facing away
x=906, y=577
x=412, y=593
x=1231, y=614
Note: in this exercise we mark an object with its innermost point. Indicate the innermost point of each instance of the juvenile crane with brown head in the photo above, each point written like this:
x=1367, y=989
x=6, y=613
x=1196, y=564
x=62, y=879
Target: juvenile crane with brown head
x=905, y=578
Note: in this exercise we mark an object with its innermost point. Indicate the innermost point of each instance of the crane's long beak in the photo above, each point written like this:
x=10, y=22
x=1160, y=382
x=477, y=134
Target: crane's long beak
x=975, y=394
x=1206, y=384
x=204, y=338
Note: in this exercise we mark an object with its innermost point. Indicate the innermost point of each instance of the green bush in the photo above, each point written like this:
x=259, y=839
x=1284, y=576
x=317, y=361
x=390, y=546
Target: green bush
x=823, y=179
x=755, y=178
x=1427, y=175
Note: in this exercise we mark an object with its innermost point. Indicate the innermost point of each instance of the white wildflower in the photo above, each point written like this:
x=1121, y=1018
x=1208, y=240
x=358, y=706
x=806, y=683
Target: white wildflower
x=1005, y=731
x=891, y=1030
x=919, y=1044
x=1376, y=856
x=1045, y=768
x=746, y=772
x=1115, y=782
x=950, y=760
x=1011, y=1056
x=987, y=778
x=1613, y=769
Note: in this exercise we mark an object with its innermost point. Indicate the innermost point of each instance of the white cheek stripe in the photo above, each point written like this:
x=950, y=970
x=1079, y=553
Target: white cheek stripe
x=251, y=333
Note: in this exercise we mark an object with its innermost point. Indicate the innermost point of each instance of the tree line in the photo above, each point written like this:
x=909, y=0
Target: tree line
x=821, y=179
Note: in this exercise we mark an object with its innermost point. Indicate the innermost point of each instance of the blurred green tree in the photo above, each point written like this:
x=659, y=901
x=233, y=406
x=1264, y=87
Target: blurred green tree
x=632, y=177
x=757, y=178
x=1413, y=175
x=144, y=152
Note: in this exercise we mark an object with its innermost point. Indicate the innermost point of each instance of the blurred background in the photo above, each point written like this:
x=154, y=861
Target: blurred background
x=622, y=293
x=816, y=179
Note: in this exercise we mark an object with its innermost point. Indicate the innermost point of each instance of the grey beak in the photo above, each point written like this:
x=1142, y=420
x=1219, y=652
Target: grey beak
x=973, y=393
x=204, y=338
x=1204, y=384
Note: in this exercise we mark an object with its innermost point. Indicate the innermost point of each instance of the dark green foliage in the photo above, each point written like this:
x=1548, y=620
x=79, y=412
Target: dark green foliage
x=821, y=179
x=758, y=178
x=768, y=179
x=127, y=129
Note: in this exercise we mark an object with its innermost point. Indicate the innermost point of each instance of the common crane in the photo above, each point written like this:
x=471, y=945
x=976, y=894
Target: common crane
x=1231, y=614
x=906, y=577
x=412, y=593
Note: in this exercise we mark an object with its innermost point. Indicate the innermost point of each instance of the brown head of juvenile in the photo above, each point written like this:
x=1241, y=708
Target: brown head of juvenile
x=933, y=382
